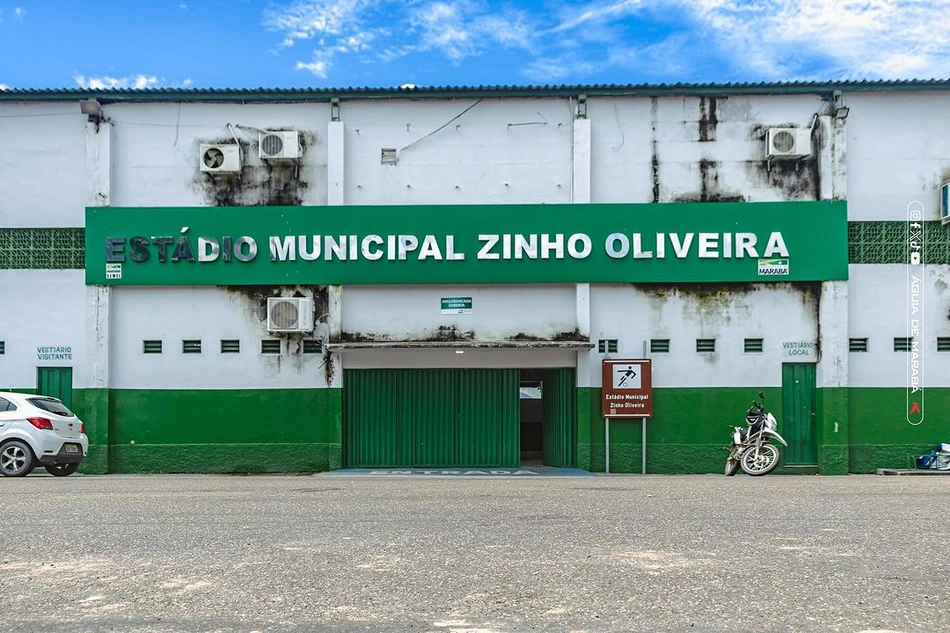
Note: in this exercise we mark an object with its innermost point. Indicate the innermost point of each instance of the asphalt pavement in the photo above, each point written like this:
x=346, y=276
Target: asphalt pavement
x=474, y=554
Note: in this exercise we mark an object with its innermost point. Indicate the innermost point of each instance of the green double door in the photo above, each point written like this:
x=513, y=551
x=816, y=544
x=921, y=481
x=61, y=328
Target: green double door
x=448, y=418
x=56, y=382
x=798, y=423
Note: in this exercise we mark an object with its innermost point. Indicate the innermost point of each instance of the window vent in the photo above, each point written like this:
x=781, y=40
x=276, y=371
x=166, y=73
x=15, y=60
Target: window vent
x=270, y=346
x=753, y=345
x=388, y=156
x=191, y=346
x=607, y=346
x=659, y=345
x=705, y=345
x=312, y=347
x=902, y=343
x=943, y=344
x=230, y=346
x=151, y=347
x=857, y=345
x=3, y=347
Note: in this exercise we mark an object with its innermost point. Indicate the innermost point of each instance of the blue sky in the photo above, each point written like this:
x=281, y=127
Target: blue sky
x=387, y=43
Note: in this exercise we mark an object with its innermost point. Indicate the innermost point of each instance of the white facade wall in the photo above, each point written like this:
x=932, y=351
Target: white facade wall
x=156, y=147
x=898, y=152
x=43, y=172
x=41, y=308
x=635, y=315
x=882, y=310
x=172, y=315
x=498, y=312
x=500, y=151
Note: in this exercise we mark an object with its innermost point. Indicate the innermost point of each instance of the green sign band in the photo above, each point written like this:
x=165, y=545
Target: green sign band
x=597, y=243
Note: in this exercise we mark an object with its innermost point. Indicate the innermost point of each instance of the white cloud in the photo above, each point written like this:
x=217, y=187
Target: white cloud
x=305, y=20
x=319, y=67
x=598, y=12
x=4, y=87
x=857, y=38
x=464, y=28
x=105, y=82
x=19, y=12
x=579, y=41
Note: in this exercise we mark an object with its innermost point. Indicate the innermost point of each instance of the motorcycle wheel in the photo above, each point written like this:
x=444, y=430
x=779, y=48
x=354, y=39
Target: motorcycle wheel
x=762, y=464
x=732, y=466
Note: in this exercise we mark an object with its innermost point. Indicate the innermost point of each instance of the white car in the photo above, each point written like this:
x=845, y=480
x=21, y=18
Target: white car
x=39, y=431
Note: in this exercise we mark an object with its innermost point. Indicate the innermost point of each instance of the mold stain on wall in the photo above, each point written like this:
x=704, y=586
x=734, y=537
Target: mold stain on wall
x=259, y=183
x=797, y=179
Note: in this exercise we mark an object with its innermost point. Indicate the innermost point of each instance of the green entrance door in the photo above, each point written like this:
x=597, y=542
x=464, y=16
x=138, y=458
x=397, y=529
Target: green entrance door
x=559, y=422
x=431, y=417
x=798, y=425
x=56, y=382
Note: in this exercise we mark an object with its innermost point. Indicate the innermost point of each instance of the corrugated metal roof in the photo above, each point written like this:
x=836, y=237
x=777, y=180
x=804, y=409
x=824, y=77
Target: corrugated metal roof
x=357, y=93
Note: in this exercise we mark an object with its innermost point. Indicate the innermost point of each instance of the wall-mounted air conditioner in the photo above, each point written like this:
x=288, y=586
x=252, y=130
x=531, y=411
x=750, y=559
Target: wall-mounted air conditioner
x=945, y=203
x=220, y=159
x=279, y=145
x=289, y=314
x=788, y=142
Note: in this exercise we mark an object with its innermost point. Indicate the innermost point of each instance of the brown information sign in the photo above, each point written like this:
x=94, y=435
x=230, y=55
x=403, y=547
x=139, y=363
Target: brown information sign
x=628, y=389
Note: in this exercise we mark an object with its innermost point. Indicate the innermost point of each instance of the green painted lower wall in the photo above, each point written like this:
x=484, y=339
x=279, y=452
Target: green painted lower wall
x=881, y=437
x=165, y=431
x=300, y=430
x=859, y=429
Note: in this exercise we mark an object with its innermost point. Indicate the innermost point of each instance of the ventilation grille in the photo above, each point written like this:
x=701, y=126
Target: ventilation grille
x=902, y=343
x=151, y=347
x=270, y=346
x=659, y=345
x=943, y=344
x=230, y=346
x=705, y=345
x=312, y=347
x=191, y=346
x=607, y=346
x=753, y=345
x=857, y=345
x=3, y=347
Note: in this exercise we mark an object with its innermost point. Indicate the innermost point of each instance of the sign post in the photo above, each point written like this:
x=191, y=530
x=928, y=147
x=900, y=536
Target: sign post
x=627, y=393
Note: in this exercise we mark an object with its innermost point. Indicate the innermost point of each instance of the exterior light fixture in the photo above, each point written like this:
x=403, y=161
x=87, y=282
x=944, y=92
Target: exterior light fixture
x=842, y=112
x=92, y=109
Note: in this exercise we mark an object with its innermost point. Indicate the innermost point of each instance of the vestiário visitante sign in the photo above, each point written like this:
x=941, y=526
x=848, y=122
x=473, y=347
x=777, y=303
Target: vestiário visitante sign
x=597, y=243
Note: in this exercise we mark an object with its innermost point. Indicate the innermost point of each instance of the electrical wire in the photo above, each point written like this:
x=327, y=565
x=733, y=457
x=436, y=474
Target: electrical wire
x=440, y=128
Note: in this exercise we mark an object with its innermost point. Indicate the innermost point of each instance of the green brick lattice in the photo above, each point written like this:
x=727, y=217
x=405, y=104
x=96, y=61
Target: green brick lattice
x=48, y=249
x=888, y=242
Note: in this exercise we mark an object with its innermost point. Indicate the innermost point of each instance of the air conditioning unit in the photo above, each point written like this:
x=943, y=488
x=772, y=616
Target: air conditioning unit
x=289, y=314
x=945, y=203
x=788, y=142
x=279, y=145
x=220, y=159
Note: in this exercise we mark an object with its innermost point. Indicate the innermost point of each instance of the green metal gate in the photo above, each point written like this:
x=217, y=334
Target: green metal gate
x=56, y=382
x=560, y=430
x=431, y=417
x=798, y=425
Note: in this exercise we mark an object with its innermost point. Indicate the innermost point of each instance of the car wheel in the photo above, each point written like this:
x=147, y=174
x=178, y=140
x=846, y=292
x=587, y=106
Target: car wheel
x=16, y=459
x=62, y=470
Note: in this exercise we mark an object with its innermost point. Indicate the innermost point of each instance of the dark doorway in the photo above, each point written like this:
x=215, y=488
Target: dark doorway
x=548, y=417
x=531, y=391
